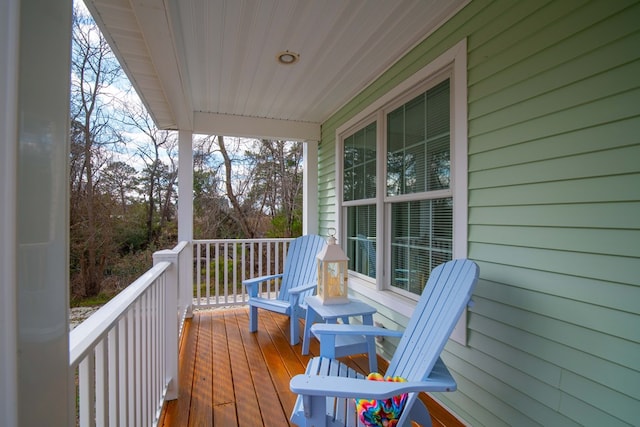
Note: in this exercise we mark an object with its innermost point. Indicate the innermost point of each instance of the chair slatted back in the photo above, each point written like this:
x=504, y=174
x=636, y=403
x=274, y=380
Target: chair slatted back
x=300, y=265
x=445, y=296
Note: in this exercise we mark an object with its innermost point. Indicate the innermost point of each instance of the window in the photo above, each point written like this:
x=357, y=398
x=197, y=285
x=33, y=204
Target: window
x=359, y=188
x=418, y=187
x=402, y=179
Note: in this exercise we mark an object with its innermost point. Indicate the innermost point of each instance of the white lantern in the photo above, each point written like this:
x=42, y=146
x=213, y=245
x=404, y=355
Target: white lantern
x=332, y=274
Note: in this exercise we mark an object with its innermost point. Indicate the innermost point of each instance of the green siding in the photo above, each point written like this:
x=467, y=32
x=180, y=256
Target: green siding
x=554, y=209
x=611, y=242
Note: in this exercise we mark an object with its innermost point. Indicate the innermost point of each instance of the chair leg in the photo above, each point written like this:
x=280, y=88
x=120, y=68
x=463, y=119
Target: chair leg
x=308, y=321
x=314, y=414
x=253, y=318
x=420, y=414
x=294, y=328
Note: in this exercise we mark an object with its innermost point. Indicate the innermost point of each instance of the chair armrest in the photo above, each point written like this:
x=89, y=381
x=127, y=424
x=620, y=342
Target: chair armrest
x=342, y=329
x=251, y=284
x=320, y=385
x=295, y=293
x=299, y=289
x=254, y=280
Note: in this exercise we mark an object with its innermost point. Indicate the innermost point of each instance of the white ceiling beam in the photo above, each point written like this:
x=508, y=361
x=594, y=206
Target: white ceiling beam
x=254, y=127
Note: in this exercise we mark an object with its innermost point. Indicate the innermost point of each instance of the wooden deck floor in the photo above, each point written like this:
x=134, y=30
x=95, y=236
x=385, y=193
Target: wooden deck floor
x=230, y=377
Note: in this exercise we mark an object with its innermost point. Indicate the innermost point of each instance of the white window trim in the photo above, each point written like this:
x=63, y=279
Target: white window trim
x=455, y=60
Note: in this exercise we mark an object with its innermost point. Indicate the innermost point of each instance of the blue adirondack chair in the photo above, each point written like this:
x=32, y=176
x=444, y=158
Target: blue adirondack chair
x=299, y=280
x=327, y=390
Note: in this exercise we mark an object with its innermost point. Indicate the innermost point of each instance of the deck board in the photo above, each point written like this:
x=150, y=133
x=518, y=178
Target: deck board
x=230, y=377
x=269, y=403
x=200, y=411
x=186, y=371
x=223, y=390
x=246, y=398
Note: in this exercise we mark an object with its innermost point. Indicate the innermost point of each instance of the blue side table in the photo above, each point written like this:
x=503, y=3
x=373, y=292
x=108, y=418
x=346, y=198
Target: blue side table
x=344, y=345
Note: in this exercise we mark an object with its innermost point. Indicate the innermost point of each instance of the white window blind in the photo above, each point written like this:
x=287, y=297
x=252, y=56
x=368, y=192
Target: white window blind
x=361, y=239
x=421, y=239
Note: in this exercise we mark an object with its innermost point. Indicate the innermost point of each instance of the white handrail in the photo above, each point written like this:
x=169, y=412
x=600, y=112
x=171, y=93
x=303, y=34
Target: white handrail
x=125, y=355
x=83, y=338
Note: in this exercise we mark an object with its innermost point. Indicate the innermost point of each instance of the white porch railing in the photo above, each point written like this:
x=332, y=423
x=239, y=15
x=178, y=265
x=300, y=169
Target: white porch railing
x=125, y=355
x=222, y=265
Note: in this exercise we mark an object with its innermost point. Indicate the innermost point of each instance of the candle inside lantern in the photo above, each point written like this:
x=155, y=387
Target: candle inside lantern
x=334, y=286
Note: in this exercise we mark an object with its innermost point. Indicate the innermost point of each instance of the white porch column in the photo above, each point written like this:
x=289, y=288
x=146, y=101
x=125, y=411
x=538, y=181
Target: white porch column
x=185, y=205
x=35, y=40
x=9, y=38
x=185, y=185
x=310, y=216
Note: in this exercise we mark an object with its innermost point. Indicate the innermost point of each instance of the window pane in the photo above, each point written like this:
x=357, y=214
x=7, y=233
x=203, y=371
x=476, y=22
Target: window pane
x=414, y=117
x=418, y=139
x=360, y=164
x=414, y=179
x=438, y=110
x=361, y=239
x=422, y=238
x=438, y=137
x=439, y=167
x=395, y=130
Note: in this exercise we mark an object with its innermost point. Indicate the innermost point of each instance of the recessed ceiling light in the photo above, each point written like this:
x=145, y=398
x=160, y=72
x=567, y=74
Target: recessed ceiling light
x=287, y=58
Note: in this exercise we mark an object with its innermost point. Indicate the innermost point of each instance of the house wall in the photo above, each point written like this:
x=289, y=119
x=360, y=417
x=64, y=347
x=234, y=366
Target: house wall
x=554, y=210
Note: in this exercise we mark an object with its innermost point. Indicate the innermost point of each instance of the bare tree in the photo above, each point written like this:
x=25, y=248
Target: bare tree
x=242, y=212
x=277, y=184
x=256, y=185
x=94, y=72
x=158, y=178
x=119, y=180
x=212, y=212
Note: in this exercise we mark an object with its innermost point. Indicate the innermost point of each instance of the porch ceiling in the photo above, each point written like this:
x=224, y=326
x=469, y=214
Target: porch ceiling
x=210, y=65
